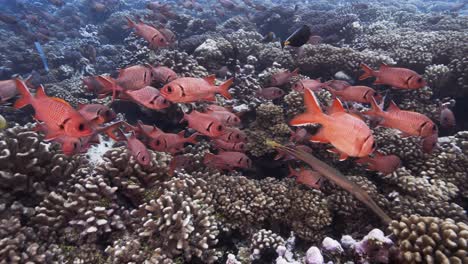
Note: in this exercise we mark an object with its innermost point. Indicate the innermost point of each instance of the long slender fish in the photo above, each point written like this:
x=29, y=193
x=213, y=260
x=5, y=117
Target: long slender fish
x=42, y=55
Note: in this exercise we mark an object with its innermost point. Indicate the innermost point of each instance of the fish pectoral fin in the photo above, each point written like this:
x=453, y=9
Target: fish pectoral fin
x=343, y=156
x=210, y=98
x=319, y=137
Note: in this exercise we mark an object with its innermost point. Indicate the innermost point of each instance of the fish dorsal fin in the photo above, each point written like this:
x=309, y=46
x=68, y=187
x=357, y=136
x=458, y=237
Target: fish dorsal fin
x=121, y=72
x=336, y=107
x=60, y=100
x=40, y=93
x=384, y=65
x=311, y=102
x=392, y=107
x=181, y=133
x=210, y=79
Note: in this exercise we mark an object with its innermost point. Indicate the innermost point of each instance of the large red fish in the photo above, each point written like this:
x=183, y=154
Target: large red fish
x=155, y=38
x=204, y=124
x=172, y=143
x=233, y=135
x=225, y=117
x=163, y=74
x=385, y=164
x=348, y=134
x=148, y=97
x=59, y=116
x=228, y=146
x=410, y=123
x=228, y=160
x=398, y=78
x=359, y=94
x=307, y=177
x=188, y=89
x=281, y=78
x=314, y=85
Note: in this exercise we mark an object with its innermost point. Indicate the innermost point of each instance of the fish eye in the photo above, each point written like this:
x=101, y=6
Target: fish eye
x=81, y=127
x=143, y=158
x=161, y=39
x=169, y=89
x=237, y=136
x=220, y=127
x=158, y=142
x=419, y=80
x=241, y=146
x=434, y=128
x=75, y=145
x=374, y=145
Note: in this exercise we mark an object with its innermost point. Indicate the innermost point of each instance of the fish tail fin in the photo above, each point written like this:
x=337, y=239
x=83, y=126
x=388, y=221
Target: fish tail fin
x=192, y=139
x=130, y=23
x=313, y=112
x=224, y=88
x=368, y=72
x=208, y=158
x=295, y=72
x=291, y=171
x=26, y=96
x=375, y=109
x=110, y=84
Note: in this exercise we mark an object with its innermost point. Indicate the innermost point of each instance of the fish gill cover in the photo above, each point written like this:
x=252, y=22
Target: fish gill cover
x=141, y=131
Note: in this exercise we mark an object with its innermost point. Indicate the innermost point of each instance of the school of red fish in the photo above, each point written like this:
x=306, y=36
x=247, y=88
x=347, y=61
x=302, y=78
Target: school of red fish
x=343, y=128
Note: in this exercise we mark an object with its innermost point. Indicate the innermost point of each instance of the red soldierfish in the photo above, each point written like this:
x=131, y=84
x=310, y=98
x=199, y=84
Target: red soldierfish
x=314, y=85
x=348, y=134
x=138, y=150
x=385, y=164
x=410, y=123
x=96, y=84
x=446, y=118
x=228, y=160
x=204, y=124
x=155, y=38
x=228, y=146
x=337, y=84
x=172, y=143
x=135, y=77
x=96, y=114
x=307, y=177
x=281, y=78
x=59, y=117
x=359, y=94
x=188, y=89
x=225, y=117
x=163, y=75
x=398, y=78
x=148, y=97
x=233, y=135
x=271, y=93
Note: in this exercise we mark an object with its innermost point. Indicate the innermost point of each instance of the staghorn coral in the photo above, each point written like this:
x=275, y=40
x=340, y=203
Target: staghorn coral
x=430, y=239
x=179, y=220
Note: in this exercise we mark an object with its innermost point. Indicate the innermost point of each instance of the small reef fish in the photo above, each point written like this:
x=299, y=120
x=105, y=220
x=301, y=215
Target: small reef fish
x=314, y=85
x=95, y=84
x=7, y=90
x=446, y=117
x=348, y=134
x=148, y=97
x=385, y=164
x=153, y=36
x=96, y=114
x=281, y=78
x=233, y=135
x=228, y=160
x=168, y=35
x=151, y=132
x=163, y=75
x=228, y=146
x=172, y=143
x=137, y=149
x=225, y=117
x=204, y=124
x=59, y=116
x=398, y=78
x=298, y=38
x=188, y=89
x=359, y=94
x=410, y=123
x=269, y=37
x=314, y=40
x=338, y=84
x=271, y=93
x=307, y=177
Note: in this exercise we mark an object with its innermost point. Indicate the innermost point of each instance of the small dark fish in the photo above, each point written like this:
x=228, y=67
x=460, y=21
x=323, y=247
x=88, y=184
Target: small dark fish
x=429, y=143
x=57, y=2
x=315, y=40
x=298, y=38
x=7, y=19
x=446, y=118
x=271, y=93
x=269, y=37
